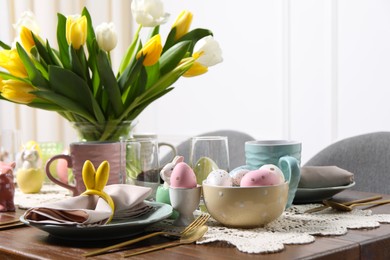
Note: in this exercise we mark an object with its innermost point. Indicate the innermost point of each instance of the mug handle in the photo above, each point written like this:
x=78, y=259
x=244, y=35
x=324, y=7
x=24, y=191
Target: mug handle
x=174, y=150
x=55, y=180
x=290, y=168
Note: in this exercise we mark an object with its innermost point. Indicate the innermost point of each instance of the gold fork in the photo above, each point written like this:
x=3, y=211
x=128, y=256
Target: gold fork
x=199, y=221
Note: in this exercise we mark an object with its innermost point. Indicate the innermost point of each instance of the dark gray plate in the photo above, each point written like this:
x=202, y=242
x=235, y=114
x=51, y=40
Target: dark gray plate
x=113, y=230
x=305, y=195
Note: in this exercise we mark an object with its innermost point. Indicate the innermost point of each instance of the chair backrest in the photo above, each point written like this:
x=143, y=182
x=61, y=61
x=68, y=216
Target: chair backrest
x=367, y=156
x=236, y=142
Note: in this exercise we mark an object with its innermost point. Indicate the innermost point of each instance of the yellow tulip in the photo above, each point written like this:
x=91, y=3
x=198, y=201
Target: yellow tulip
x=26, y=38
x=10, y=60
x=76, y=31
x=196, y=70
x=182, y=24
x=17, y=91
x=152, y=50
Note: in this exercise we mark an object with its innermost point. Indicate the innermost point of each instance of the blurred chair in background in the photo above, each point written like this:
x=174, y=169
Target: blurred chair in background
x=367, y=156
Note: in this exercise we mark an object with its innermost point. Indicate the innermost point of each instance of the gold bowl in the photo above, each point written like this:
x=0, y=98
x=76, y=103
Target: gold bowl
x=245, y=207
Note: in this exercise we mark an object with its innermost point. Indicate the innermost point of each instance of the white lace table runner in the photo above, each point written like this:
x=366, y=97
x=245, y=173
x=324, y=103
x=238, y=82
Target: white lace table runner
x=48, y=193
x=293, y=227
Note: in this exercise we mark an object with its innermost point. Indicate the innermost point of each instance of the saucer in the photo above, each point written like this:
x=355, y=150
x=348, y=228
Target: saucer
x=312, y=195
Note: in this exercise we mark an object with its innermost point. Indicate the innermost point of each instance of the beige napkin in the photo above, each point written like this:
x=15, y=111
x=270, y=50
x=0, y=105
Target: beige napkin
x=324, y=176
x=92, y=210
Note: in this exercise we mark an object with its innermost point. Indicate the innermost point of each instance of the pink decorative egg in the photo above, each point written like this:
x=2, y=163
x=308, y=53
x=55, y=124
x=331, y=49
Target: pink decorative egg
x=183, y=176
x=275, y=170
x=261, y=177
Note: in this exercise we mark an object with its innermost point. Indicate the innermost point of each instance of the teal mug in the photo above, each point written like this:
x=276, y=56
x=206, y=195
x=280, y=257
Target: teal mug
x=283, y=153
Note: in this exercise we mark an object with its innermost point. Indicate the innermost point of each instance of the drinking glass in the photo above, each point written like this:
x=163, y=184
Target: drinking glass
x=142, y=163
x=208, y=153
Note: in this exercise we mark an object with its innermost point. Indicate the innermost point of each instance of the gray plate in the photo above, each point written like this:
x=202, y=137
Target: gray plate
x=305, y=195
x=113, y=230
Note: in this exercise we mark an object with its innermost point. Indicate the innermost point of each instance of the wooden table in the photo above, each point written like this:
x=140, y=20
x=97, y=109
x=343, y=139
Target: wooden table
x=27, y=242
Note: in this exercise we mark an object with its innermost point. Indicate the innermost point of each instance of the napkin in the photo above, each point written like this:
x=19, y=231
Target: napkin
x=324, y=176
x=87, y=210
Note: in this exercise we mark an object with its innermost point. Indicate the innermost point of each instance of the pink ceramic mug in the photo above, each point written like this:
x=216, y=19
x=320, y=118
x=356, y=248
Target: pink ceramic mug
x=96, y=152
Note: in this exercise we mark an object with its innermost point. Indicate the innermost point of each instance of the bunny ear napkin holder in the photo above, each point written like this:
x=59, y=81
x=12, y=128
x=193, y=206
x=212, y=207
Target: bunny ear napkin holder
x=113, y=201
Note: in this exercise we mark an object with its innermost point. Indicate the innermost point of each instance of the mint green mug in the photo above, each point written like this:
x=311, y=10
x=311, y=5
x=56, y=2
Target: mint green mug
x=285, y=154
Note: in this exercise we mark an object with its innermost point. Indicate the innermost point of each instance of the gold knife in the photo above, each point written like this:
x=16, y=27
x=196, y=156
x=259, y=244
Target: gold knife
x=345, y=203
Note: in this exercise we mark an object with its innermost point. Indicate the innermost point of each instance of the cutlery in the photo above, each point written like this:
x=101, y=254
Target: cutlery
x=10, y=224
x=187, y=238
x=345, y=203
x=199, y=221
x=343, y=207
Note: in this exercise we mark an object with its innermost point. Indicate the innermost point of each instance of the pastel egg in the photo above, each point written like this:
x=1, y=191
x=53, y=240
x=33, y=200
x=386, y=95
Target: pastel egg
x=183, y=176
x=261, y=177
x=275, y=169
x=203, y=167
x=219, y=178
x=237, y=175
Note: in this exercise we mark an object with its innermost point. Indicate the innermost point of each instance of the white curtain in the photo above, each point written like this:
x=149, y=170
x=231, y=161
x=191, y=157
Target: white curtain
x=40, y=125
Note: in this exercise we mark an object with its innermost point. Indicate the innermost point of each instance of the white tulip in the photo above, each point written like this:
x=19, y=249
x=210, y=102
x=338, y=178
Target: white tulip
x=149, y=13
x=209, y=51
x=106, y=36
x=27, y=20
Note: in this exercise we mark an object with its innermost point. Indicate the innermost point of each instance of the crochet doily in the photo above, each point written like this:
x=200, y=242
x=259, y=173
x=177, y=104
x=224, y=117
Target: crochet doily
x=48, y=193
x=292, y=227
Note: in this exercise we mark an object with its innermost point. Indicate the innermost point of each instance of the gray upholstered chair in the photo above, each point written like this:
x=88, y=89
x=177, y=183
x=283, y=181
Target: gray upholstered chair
x=236, y=143
x=367, y=156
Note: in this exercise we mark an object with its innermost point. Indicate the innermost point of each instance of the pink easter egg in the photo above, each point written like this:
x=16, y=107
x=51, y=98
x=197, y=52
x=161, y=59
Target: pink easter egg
x=183, y=176
x=261, y=177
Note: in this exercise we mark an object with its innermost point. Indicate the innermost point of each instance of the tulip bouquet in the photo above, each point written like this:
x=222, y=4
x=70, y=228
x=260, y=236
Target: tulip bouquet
x=76, y=79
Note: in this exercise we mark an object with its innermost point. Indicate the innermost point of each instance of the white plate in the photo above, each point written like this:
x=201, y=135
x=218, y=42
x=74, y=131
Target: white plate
x=305, y=195
x=113, y=230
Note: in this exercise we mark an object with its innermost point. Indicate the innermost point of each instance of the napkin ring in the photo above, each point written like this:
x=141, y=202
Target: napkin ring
x=96, y=180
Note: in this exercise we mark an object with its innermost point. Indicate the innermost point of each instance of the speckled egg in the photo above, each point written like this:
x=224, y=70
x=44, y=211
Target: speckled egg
x=261, y=177
x=183, y=176
x=237, y=175
x=275, y=169
x=219, y=178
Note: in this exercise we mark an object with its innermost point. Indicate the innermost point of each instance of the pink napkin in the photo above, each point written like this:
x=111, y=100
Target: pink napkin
x=91, y=210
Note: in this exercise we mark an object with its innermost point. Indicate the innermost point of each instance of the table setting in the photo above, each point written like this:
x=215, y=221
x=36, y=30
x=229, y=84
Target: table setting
x=120, y=197
x=253, y=219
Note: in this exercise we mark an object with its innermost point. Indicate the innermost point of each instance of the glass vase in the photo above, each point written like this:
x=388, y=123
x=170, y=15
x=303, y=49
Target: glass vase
x=106, y=131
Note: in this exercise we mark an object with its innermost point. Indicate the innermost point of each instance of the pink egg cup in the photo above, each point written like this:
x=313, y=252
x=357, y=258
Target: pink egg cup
x=185, y=201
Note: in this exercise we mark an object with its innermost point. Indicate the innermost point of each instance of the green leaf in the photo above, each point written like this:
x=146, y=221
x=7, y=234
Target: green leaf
x=46, y=106
x=6, y=75
x=64, y=102
x=91, y=37
x=153, y=74
x=62, y=42
x=53, y=55
x=77, y=67
x=170, y=41
x=172, y=57
x=129, y=76
x=109, y=82
x=70, y=85
x=33, y=73
x=41, y=50
x=4, y=46
x=194, y=36
x=130, y=52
